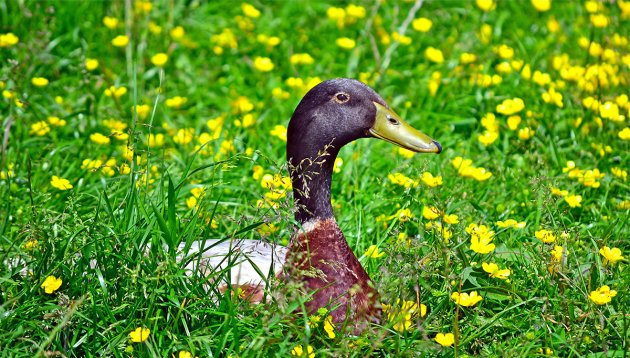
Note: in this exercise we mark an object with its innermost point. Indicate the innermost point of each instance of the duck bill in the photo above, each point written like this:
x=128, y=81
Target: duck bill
x=390, y=127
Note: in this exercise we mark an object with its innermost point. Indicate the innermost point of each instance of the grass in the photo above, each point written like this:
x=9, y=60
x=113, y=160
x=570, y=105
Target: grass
x=111, y=238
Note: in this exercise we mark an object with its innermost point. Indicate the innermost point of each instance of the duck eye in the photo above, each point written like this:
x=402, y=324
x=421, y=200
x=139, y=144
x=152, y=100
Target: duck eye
x=341, y=97
x=393, y=120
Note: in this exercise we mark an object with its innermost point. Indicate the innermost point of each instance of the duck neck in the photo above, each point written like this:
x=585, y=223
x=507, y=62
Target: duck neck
x=311, y=177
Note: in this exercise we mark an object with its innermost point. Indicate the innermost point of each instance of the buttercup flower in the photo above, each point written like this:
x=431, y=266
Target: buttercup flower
x=39, y=82
x=60, y=183
x=159, y=59
x=430, y=180
x=445, y=339
x=511, y=223
x=422, y=24
x=120, y=41
x=466, y=299
x=434, y=55
x=541, y=5
x=346, y=43
x=263, y=64
x=545, y=236
x=573, y=200
x=402, y=313
x=250, y=11
x=40, y=128
x=91, y=64
x=51, y=284
x=611, y=256
x=373, y=252
x=495, y=272
x=139, y=335
x=8, y=40
x=430, y=213
x=329, y=327
x=602, y=295
x=510, y=106
x=297, y=351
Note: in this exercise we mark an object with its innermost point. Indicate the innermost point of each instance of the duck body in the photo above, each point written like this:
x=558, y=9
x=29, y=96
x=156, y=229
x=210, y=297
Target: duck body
x=318, y=258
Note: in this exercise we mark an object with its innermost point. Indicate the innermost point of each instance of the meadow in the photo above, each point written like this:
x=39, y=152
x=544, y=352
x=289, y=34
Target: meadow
x=129, y=127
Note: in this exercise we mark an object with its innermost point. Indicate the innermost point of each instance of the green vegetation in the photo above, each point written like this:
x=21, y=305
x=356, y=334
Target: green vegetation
x=131, y=127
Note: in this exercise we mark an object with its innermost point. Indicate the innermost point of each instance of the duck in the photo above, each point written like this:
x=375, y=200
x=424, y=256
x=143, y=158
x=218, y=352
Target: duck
x=318, y=259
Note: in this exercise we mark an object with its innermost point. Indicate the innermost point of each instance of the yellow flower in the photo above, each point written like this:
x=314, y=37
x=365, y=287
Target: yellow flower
x=525, y=133
x=481, y=241
x=184, y=136
x=602, y=295
x=142, y=110
x=488, y=137
x=573, y=200
x=263, y=64
x=91, y=64
x=329, y=327
x=553, y=25
x=346, y=43
x=504, y=51
x=510, y=106
x=624, y=133
x=51, y=284
x=619, y=173
x=279, y=131
x=297, y=351
x=430, y=213
x=373, y=253
x=610, y=110
x=495, y=272
x=511, y=223
x=466, y=299
x=56, y=121
x=110, y=22
x=466, y=169
x=402, y=180
x=40, y=128
x=590, y=178
x=434, y=55
x=301, y=59
x=60, y=183
x=405, y=152
x=611, y=256
x=451, y=219
x=120, y=41
x=401, y=315
x=430, y=180
x=39, y=82
x=403, y=215
x=139, y=335
x=185, y=354
x=176, y=102
x=545, y=236
x=599, y=20
x=98, y=138
x=143, y=7
x=159, y=59
x=541, y=5
x=8, y=40
x=422, y=24
x=115, y=92
x=556, y=253
x=250, y=11
x=553, y=97
x=177, y=32
x=446, y=340
x=486, y=5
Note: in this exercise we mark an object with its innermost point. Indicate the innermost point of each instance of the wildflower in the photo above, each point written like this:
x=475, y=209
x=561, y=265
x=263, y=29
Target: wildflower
x=495, y=272
x=56, y=121
x=430, y=180
x=422, y=24
x=139, y=335
x=486, y=5
x=8, y=40
x=573, y=200
x=98, y=138
x=556, y=253
x=115, y=92
x=373, y=253
x=404, y=40
x=401, y=315
x=110, y=22
x=541, y=5
x=185, y=354
x=511, y=223
x=504, y=51
x=430, y=213
x=599, y=20
x=610, y=110
x=39, y=81
x=40, y=128
x=488, y=137
x=485, y=34
x=446, y=339
x=120, y=41
x=329, y=327
x=301, y=59
x=177, y=33
x=159, y=59
x=279, y=131
x=451, y=219
x=176, y=102
x=466, y=299
x=60, y=183
x=481, y=240
x=619, y=173
x=602, y=295
x=346, y=43
x=624, y=134
x=466, y=169
x=545, y=236
x=525, y=133
x=553, y=25
x=434, y=55
x=51, y=284
x=402, y=180
x=611, y=256
x=91, y=64
x=355, y=12
x=30, y=244
x=142, y=110
x=590, y=178
x=263, y=64
x=184, y=136
x=403, y=215
x=513, y=122
x=489, y=122
x=250, y=11
x=510, y=106
x=553, y=97
x=297, y=351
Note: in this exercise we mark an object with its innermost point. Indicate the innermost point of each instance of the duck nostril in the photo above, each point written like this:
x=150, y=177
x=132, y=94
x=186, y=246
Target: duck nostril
x=393, y=120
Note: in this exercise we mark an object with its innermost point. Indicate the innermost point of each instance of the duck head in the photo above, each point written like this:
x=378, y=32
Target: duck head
x=331, y=115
